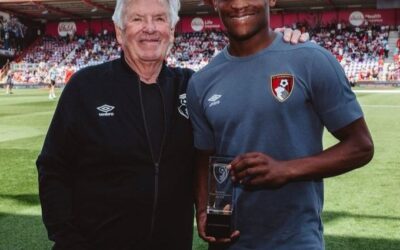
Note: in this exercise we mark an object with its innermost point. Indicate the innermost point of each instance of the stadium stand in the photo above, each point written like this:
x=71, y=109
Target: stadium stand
x=195, y=50
x=363, y=43
x=361, y=52
x=12, y=33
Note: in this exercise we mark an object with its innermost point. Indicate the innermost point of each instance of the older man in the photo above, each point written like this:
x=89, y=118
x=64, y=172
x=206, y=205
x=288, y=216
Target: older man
x=115, y=171
x=116, y=167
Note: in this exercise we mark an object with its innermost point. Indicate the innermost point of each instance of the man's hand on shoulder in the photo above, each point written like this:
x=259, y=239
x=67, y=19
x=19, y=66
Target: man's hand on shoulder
x=293, y=36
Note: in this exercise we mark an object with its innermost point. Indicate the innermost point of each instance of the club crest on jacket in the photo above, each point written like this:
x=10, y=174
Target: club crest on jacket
x=182, y=108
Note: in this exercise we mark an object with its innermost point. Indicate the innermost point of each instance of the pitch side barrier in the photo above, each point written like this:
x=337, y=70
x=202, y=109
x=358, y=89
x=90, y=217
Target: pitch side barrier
x=373, y=84
x=32, y=86
x=378, y=84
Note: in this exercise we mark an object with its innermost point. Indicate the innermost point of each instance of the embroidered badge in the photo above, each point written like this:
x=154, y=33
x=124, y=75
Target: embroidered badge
x=214, y=100
x=182, y=107
x=105, y=110
x=282, y=86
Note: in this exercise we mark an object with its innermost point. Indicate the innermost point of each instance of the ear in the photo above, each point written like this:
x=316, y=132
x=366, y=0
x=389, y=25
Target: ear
x=119, y=34
x=172, y=36
x=272, y=3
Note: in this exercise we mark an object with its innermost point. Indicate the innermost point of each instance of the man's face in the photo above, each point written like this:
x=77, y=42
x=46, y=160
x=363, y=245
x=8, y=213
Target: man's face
x=147, y=32
x=243, y=18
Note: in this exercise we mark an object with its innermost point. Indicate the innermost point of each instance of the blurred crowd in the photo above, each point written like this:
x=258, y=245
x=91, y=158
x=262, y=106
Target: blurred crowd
x=195, y=50
x=361, y=52
x=65, y=55
x=12, y=33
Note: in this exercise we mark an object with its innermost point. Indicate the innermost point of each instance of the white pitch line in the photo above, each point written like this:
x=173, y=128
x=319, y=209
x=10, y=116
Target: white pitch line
x=378, y=91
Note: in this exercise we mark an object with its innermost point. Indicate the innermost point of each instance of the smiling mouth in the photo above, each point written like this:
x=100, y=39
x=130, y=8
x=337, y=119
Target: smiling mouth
x=242, y=17
x=150, y=41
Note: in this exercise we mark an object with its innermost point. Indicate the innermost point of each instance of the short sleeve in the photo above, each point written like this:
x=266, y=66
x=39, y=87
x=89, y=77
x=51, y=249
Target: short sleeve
x=332, y=97
x=202, y=131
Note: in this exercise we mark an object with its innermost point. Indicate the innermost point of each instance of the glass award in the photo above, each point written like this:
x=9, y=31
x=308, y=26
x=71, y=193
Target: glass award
x=220, y=198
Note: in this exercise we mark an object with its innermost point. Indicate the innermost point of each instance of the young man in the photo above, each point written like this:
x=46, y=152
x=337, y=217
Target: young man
x=265, y=103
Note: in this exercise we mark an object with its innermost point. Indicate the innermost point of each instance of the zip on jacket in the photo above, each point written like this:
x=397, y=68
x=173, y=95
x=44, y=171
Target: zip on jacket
x=156, y=159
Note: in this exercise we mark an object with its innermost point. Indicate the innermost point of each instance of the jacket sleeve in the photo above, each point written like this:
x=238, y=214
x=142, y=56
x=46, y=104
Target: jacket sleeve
x=55, y=169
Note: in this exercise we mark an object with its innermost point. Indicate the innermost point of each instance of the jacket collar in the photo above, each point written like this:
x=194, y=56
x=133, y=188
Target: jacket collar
x=166, y=72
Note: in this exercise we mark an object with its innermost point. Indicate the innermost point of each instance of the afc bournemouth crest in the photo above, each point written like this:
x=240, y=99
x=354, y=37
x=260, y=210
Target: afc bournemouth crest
x=182, y=107
x=220, y=172
x=282, y=86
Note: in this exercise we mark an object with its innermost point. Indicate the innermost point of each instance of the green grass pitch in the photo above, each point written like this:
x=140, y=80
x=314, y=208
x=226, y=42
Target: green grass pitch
x=361, y=211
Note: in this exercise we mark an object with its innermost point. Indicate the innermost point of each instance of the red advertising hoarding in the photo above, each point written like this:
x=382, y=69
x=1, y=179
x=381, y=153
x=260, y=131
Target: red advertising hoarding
x=79, y=27
x=200, y=23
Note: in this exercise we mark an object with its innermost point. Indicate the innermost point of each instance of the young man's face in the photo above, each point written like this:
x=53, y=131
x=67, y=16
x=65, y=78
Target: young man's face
x=244, y=19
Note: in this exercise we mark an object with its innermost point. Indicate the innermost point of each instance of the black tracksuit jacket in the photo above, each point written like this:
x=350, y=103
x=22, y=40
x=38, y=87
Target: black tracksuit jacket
x=99, y=186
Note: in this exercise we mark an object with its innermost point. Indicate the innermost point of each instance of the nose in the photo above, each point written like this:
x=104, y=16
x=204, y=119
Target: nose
x=239, y=4
x=149, y=26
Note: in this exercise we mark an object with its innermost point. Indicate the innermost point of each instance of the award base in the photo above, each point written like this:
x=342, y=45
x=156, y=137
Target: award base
x=219, y=225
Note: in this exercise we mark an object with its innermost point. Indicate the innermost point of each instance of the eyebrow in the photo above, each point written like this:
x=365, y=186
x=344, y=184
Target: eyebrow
x=140, y=15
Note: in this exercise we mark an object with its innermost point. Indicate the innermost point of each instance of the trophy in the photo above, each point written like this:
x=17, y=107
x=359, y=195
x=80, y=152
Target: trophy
x=220, y=198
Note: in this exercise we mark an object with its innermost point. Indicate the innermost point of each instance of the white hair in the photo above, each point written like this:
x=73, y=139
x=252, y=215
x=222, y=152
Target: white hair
x=173, y=6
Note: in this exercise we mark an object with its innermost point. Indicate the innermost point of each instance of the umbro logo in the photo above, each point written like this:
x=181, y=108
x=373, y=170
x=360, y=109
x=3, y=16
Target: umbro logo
x=214, y=100
x=105, y=110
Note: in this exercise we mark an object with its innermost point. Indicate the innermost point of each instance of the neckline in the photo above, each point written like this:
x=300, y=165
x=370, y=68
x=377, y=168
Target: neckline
x=274, y=43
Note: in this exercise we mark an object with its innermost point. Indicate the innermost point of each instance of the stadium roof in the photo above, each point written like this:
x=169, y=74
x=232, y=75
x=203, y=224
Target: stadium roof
x=92, y=9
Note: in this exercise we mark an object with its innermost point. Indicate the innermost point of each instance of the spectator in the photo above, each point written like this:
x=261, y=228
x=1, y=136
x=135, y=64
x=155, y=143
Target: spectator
x=9, y=82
